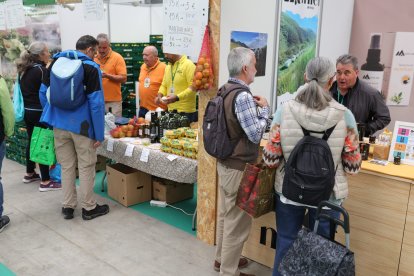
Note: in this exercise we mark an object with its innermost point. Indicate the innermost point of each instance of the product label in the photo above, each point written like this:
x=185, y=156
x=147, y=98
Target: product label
x=373, y=78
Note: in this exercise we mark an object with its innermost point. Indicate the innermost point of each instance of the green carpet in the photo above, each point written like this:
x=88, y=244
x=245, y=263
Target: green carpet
x=167, y=215
x=4, y=271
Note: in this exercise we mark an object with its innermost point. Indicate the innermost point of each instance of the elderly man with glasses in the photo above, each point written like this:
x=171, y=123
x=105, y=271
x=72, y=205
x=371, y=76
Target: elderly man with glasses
x=365, y=102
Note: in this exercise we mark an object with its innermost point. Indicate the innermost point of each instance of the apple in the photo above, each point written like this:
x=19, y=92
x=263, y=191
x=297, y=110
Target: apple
x=121, y=134
x=130, y=127
x=115, y=133
x=131, y=122
x=129, y=133
x=124, y=128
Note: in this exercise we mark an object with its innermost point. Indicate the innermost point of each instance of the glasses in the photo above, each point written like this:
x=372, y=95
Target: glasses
x=347, y=73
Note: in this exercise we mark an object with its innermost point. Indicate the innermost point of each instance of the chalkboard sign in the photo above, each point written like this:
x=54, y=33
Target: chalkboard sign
x=184, y=25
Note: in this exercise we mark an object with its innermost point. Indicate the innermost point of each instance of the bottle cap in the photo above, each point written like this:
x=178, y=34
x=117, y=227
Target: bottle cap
x=375, y=41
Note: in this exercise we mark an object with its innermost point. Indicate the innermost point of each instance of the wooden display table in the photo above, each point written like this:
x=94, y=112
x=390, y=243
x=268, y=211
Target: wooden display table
x=381, y=209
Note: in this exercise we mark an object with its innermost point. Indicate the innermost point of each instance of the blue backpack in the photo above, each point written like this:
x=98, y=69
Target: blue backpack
x=66, y=90
x=18, y=103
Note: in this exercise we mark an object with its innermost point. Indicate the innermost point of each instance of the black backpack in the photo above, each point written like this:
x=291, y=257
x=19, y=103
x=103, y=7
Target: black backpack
x=310, y=170
x=217, y=141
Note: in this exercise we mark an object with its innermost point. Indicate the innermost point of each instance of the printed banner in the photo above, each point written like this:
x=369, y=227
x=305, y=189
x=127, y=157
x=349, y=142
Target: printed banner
x=298, y=31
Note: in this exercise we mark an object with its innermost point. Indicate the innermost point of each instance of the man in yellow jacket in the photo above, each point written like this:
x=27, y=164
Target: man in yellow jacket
x=175, y=89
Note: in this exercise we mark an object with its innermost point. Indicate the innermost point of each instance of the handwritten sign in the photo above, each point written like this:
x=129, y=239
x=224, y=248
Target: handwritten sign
x=93, y=10
x=184, y=25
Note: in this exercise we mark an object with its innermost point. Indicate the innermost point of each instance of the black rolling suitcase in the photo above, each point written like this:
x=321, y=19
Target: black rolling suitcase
x=313, y=254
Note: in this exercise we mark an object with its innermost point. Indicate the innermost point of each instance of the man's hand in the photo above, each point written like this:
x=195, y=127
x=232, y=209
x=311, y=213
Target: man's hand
x=105, y=75
x=96, y=144
x=157, y=100
x=172, y=98
x=260, y=101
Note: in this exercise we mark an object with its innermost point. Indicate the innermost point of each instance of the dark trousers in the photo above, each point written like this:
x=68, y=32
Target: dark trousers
x=32, y=118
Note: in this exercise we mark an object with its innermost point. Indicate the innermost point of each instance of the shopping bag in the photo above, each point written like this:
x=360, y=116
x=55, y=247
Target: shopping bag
x=203, y=74
x=42, y=146
x=55, y=173
x=18, y=103
x=313, y=254
x=256, y=193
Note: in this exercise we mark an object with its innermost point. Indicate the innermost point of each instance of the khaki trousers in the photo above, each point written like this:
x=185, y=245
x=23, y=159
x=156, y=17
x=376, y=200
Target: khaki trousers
x=233, y=224
x=116, y=108
x=70, y=149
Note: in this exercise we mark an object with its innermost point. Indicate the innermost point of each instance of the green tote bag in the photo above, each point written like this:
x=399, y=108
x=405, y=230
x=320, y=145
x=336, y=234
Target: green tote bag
x=42, y=146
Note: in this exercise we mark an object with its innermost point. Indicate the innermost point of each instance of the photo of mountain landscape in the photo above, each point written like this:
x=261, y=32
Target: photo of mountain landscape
x=297, y=45
x=257, y=42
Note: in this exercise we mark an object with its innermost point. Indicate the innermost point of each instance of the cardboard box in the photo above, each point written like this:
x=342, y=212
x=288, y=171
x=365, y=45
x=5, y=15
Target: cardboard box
x=170, y=191
x=127, y=185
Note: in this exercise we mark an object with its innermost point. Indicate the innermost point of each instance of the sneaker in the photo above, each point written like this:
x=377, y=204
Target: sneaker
x=4, y=221
x=33, y=177
x=51, y=186
x=67, y=213
x=99, y=210
x=243, y=262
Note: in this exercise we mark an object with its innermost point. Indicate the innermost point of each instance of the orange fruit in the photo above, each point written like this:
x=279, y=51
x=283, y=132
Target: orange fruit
x=197, y=83
x=199, y=68
x=206, y=73
x=201, y=60
x=198, y=76
x=204, y=80
x=206, y=65
x=206, y=86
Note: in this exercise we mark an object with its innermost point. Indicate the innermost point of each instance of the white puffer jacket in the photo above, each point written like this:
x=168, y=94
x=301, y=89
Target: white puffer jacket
x=294, y=115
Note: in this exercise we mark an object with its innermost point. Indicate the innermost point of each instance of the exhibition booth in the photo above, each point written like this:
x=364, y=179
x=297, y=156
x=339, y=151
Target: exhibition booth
x=381, y=198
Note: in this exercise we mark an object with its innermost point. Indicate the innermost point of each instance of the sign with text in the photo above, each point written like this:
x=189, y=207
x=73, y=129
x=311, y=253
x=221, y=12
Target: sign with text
x=184, y=25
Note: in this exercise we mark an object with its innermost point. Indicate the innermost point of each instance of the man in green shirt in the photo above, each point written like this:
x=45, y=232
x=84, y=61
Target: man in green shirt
x=6, y=130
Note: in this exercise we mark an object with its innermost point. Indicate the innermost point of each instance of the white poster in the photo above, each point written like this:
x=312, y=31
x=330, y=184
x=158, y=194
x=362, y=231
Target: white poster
x=3, y=16
x=401, y=73
x=15, y=14
x=184, y=26
x=93, y=10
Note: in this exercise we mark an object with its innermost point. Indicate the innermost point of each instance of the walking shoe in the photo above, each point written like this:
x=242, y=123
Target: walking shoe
x=51, y=186
x=99, y=210
x=4, y=221
x=67, y=213
x=243, y=262
x=33, y=177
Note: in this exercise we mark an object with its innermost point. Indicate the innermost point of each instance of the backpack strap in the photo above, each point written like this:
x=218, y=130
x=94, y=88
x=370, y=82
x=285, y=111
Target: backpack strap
x=326, y=133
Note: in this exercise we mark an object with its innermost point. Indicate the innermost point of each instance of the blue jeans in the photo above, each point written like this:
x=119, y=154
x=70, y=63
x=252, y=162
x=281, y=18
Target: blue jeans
x=289, y=220
x=2, y=153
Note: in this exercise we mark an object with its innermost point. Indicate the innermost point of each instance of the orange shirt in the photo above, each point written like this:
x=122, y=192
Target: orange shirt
x=150, y=80
x=113, y=64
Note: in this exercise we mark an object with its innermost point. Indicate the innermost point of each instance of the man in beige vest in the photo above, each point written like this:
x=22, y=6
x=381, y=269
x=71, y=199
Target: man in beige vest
x=246, y=124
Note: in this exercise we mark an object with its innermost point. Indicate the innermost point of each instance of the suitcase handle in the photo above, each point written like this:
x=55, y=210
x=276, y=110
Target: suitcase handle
x=335, y=221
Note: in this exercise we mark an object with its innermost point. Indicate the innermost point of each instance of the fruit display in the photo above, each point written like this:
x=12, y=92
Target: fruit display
x=203, y=75
x=136, y=127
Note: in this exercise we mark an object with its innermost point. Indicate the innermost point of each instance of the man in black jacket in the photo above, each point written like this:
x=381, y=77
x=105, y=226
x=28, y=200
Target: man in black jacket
x=365, y=102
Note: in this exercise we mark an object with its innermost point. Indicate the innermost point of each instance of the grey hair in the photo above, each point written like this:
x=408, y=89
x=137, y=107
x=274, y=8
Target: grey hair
x=319, y=71
x=31, y=56
x=153, y=50
x=348, y=59
x=103, y=37
x=239, y=57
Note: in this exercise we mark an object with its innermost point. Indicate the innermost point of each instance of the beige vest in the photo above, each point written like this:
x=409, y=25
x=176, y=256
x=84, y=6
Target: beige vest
x=293, y=114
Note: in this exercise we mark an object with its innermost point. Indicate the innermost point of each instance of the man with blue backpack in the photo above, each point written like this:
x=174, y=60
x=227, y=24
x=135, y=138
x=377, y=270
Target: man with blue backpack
x=73, y=104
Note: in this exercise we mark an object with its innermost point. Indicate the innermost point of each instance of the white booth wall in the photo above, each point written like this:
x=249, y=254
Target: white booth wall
x=127, y=23
x=241, y=15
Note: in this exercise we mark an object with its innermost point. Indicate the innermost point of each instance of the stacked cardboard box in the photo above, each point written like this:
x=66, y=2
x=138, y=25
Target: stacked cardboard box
x=127, y=185
x=171, y=191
